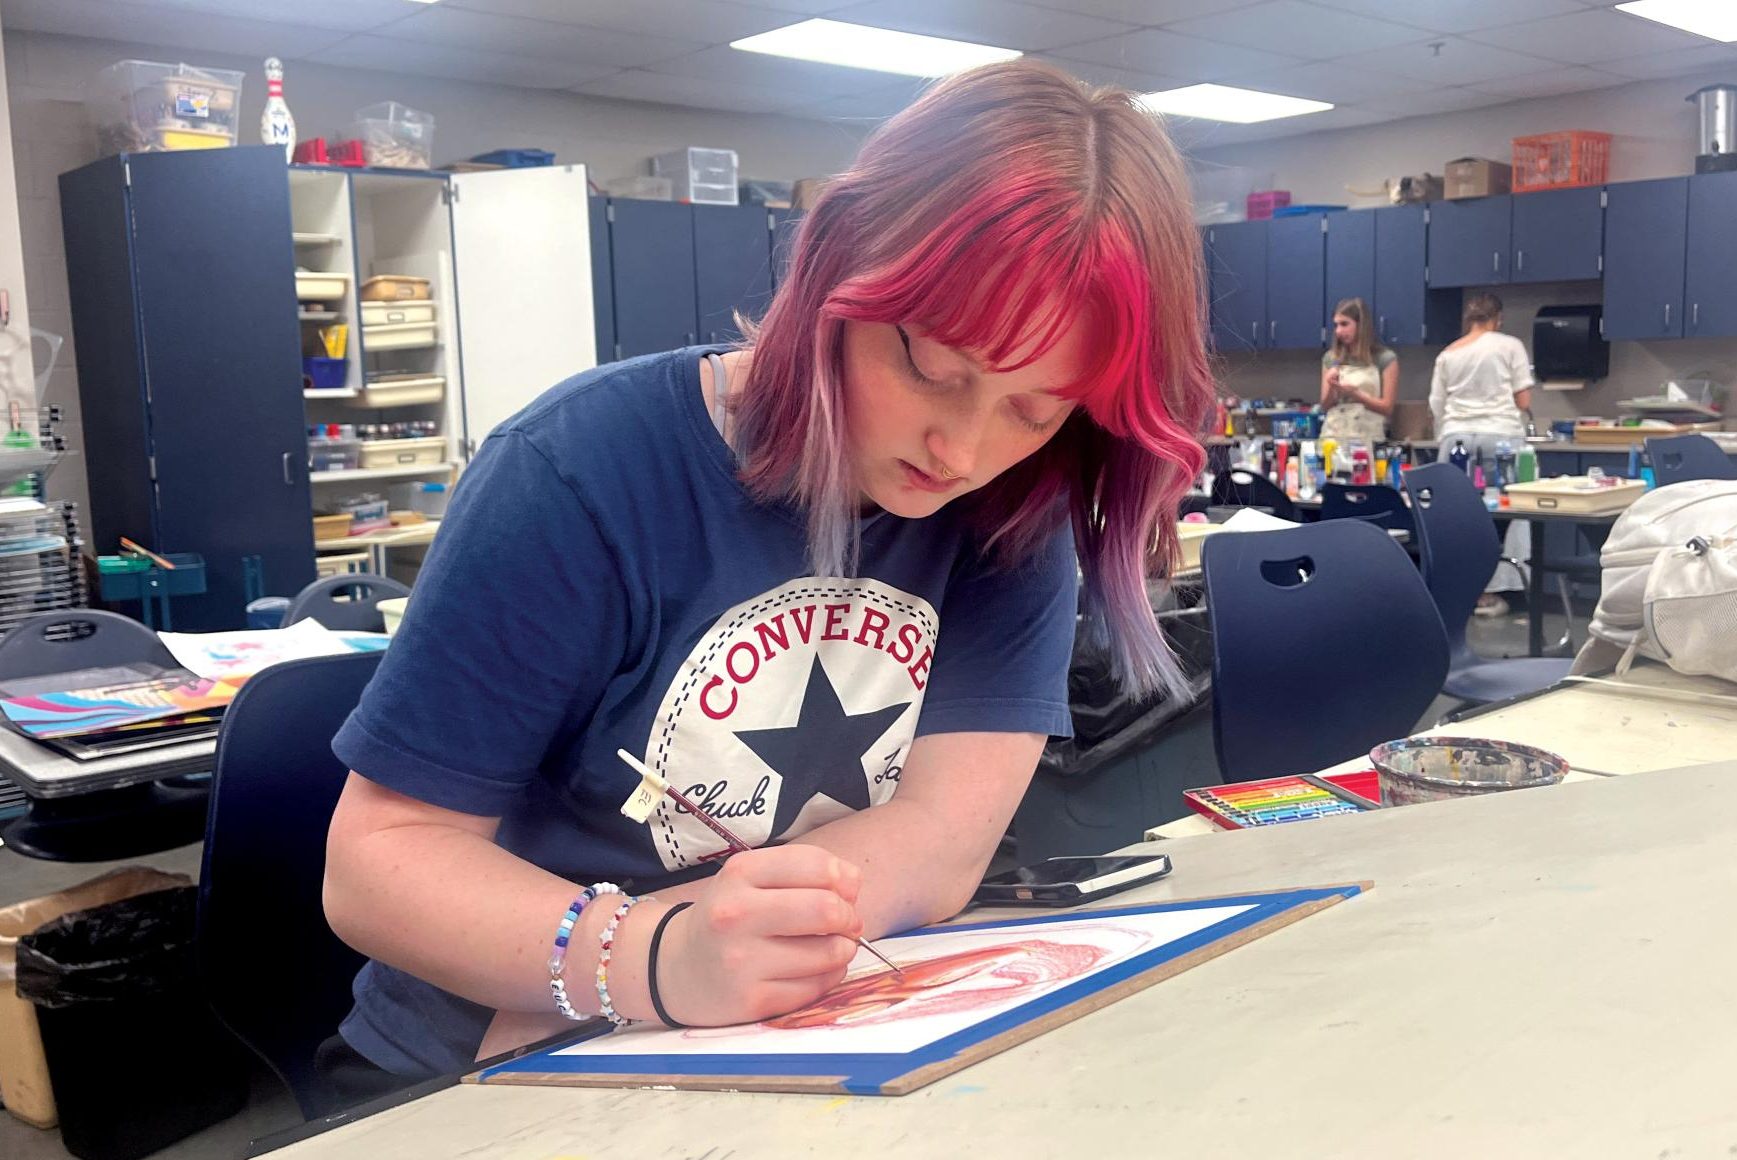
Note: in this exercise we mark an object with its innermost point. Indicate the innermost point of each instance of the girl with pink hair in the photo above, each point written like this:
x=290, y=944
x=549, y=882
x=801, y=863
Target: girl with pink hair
x=826, y=582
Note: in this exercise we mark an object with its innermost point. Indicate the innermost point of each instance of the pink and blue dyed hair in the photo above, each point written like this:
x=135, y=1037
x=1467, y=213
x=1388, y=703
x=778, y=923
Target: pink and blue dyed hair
x=1003, y=207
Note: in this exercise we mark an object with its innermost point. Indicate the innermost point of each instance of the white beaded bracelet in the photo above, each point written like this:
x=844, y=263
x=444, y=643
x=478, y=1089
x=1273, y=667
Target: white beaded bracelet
x=606, y=942
x=558, y=957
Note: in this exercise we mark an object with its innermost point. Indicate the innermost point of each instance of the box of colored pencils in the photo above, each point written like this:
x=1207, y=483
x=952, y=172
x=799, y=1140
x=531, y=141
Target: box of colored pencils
x=1243, y=804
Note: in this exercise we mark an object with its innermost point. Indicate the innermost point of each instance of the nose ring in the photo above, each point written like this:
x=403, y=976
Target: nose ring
x=948, y=473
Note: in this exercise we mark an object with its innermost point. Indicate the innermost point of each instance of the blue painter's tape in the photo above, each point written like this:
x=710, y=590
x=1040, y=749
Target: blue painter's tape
x=870, y=1074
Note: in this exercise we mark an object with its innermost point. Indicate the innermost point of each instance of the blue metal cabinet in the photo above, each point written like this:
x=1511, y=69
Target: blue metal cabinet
x=732, y=267
x=1407, y=312
x=602, y=280
x=1645, y=248
x=1710, y=289
x=1351, y=260
x=1469, y=241
x=652, y=247
x=784, y=225
x=1558, y=235
x=1296, y=282
x=1237, y=253
x=184, y=309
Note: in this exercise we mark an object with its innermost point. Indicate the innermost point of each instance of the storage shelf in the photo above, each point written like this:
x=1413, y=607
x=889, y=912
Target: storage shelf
x=302, y=238
x=339, y=393
x=354, y=475
x=319, y=315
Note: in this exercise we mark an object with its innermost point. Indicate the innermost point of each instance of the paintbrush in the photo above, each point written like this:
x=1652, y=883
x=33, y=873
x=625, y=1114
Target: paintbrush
x=140, y=550
x=652, y=789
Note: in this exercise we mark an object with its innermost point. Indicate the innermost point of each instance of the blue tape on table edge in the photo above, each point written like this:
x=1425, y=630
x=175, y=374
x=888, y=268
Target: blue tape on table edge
x=868, y=1074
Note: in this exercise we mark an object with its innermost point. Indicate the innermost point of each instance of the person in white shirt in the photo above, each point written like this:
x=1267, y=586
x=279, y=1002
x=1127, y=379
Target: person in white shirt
x=1481, y=387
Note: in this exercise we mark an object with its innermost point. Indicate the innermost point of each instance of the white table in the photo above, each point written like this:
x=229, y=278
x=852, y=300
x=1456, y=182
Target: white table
x=1541, y=973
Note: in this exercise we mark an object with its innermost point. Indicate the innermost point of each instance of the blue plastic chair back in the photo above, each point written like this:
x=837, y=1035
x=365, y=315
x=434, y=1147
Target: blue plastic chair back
x=75, y=639
x=1372, y=503
x=1457, y=545
x=349, y=602
x=272, y=969
x=1240, y=487
x=1683, y=457
x=1325, y=643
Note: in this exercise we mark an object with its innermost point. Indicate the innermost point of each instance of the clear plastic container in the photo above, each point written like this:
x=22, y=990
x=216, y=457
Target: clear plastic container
x=143, y=106
x=334, y=454
x=394, y=136
x=642, y=188
x=702, y=176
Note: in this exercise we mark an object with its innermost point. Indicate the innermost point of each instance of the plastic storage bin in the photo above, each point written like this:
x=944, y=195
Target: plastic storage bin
x=400, y=336
x=367, y=514
x=321, y=286
x=322, y=374
x=642, y=188
x=516, y=158
x=428, y=498
x=1561, y=160
x=334, y=454
x=1262, y=203
x=403, y=452
x=142, y=106
x=395, y=288
x=389, y=313
x=704, y=176
x=394, y=136
x=400, y=391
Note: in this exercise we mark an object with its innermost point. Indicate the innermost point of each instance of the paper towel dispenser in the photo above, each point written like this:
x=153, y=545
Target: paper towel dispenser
x=1567, y=346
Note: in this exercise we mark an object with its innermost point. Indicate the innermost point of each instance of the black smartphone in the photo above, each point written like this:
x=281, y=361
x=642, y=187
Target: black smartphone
x=1070, y=881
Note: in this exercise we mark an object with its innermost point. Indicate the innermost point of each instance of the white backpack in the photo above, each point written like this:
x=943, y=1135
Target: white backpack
x=1670, y=583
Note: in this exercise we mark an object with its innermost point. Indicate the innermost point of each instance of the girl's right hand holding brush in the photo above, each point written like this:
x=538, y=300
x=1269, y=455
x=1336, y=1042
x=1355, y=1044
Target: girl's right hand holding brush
x=774, y=930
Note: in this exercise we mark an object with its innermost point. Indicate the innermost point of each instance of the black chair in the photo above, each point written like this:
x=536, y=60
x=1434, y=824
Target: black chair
x=1324, y=644
x=272, y=969
x=1372, y=503
x=1241, y=487
x=1458, y=546
x=1683, y=457
x=121, y=822
x=350, y=602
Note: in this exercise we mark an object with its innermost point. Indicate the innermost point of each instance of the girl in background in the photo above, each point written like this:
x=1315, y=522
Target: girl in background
x=1359, y=378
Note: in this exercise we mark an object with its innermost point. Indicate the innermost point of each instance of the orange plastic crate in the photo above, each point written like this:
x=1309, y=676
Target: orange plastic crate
x=1563, y=160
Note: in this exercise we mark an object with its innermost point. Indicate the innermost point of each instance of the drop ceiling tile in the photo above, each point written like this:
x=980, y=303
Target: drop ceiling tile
x=1429, y=101
x=1002, y=23
x=1458, y=15
x=168, y=27
x=805, y=7
x=1143, y=12
x=1341, y=82
x=691, y=92
x=713, y=21
x=1167, y=54
x=869, y=108
x=346, y=15
x=1451, y=61
x=1589, y=37
x=1673, y=64
x=758, y=70
x=421, y=59
x=1103, y=74
x=1298, y=29
x=1550, y=82
x=491, y=33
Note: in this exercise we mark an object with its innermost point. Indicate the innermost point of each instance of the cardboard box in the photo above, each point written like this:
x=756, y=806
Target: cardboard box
x=1477, y=177
x=806, y=192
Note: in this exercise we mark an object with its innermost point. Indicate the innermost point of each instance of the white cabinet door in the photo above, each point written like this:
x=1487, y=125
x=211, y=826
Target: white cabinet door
x=522, y=251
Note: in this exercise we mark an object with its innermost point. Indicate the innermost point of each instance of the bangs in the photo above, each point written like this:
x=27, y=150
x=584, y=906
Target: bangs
x=1009, y=281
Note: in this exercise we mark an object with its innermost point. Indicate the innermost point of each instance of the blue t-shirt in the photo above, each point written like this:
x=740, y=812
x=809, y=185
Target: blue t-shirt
x=602, y=580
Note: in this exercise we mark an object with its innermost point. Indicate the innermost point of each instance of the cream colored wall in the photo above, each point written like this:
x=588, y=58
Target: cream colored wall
x=1655, y=136
x=16, y=371
x=46, y=83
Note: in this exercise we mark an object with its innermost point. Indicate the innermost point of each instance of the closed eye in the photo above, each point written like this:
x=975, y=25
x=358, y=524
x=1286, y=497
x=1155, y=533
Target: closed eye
x=915, y=371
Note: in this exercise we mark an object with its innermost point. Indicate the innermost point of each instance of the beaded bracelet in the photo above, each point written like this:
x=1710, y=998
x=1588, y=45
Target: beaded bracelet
x=558, y=958
x=606, y=941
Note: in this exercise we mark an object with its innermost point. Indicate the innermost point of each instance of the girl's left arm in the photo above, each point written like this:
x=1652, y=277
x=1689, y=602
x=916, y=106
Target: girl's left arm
x=923, y=852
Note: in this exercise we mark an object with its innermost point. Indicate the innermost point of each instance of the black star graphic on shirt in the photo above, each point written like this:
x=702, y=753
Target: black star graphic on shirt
x=822, y=753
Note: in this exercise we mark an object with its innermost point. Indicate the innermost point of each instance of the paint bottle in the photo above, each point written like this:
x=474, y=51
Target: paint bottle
x=1526, y=465
x=1459, y=457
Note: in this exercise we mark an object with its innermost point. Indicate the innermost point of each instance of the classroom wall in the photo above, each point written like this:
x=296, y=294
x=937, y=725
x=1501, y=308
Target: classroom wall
x=46, y=78
x=1655, y=136
x=16, y=368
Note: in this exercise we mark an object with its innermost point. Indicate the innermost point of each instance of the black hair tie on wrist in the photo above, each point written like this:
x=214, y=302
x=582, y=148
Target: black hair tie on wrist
x=651, y=963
